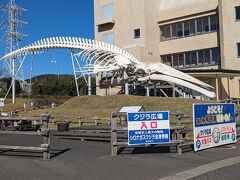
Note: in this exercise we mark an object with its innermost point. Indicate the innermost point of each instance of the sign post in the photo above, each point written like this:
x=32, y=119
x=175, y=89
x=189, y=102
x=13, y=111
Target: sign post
x=214, y=125
x=148, y=128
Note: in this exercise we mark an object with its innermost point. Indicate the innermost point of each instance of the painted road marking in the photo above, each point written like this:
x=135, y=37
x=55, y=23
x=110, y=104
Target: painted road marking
x=227, y=147
x=203, y=169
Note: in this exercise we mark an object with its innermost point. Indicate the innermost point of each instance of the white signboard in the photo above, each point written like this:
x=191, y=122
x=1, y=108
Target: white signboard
x=148, y=128
x=214, y=125
x=130, y=109
x=1, y=102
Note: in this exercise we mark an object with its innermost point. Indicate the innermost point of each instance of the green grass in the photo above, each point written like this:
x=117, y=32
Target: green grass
x=8, y=107
x=39, y=101
x=103, y=106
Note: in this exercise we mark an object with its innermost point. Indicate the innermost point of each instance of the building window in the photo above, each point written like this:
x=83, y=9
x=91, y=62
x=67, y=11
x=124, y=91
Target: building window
x=190, y=27
x=238, y=49
x=215, y=55
x=174, y=30
x=200, y=57
x=187, y=28
x=162, y=31
x=237, y=9
x=107, y=12
x=108, y=38
x=188, y=59
x=175, y=60
x=167, y=60
x=205, y=24
x=207, y=56
x=166, y=32
x=181, y=60
x=214, y=23
x=199, y=25
x=137, y=33
x=180, y=29
x=192, y=58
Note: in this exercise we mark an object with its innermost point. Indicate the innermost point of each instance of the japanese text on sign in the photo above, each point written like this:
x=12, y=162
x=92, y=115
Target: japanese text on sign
x=148, y=128
x=214, y=125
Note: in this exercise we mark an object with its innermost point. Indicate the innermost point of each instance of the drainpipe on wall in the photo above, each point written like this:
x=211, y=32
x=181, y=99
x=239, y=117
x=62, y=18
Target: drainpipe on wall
x=217, y=89
x=229, y=92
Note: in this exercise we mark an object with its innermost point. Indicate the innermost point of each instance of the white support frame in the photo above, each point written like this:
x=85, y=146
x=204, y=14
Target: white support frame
x=98, y=57
x=74, y=72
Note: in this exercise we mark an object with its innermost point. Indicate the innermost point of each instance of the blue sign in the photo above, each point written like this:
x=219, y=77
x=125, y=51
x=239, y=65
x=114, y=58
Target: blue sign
x=214, y=125
x=212, y=114
x=148, y=128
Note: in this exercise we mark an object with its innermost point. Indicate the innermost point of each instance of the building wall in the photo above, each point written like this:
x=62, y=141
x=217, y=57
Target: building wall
x=171, y=9
x=152, y=35
x=128, y=15
x=148, y=15
x=229, y=36
x=235, y=89
x=229, y=29
x=190, y=43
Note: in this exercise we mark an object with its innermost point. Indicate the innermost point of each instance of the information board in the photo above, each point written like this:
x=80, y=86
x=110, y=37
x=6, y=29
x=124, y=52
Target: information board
x=148, y=128
x=214, y=125
x=1, y=102
x=131, y=109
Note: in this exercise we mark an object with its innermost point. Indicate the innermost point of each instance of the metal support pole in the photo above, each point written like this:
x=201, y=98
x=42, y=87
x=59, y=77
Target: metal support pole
x=13, y=82
x=89, y=85
x=174, y=91
x=89, y=78
x=184, y=95
x=110, y=90
x=155, y=90
x=147, y=91
x=134, y=86
x=15, y=75
x=74, y=72
x=126, y=88
x=30, y=88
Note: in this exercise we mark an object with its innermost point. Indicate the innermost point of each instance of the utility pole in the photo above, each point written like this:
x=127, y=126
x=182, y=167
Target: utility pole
x=13, y=37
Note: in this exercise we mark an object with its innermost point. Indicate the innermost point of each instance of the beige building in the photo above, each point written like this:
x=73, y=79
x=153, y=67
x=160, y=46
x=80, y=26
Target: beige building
x=200, y=38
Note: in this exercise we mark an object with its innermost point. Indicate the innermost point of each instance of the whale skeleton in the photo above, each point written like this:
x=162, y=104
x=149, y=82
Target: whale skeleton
x=99, y=57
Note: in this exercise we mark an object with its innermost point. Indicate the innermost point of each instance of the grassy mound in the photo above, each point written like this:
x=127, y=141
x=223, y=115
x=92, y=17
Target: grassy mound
x=103, y=106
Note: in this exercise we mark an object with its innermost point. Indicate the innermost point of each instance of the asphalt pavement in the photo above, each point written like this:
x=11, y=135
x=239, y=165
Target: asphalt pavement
x=90, y=160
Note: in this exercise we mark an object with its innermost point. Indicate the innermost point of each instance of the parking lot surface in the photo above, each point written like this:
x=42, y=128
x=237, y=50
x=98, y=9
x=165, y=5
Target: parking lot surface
x=75, y=159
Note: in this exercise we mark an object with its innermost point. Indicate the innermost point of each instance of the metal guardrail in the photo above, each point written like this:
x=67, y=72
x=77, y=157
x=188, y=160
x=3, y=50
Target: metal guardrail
x=44, y=131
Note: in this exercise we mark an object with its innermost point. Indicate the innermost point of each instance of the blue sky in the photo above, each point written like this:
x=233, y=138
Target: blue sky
x=48, y=18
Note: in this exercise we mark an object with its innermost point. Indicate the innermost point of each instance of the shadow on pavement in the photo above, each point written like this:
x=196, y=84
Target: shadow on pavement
x=31, y=154
x=143, y=150
x=57, y=152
